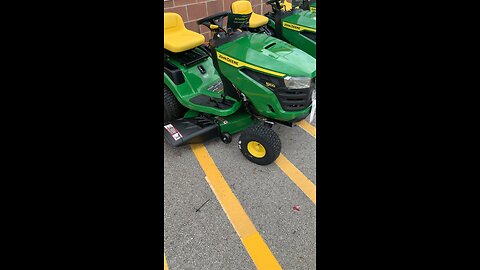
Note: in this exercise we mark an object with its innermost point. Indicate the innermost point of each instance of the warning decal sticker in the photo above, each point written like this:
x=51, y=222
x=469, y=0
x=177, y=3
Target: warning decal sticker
x=173, y=131
x=216, y=87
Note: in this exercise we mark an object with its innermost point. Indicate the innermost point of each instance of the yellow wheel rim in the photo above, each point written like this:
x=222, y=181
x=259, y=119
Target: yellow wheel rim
x=256, y=149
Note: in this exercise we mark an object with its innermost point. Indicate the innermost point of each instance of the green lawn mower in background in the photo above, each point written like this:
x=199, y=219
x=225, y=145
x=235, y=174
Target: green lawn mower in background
x=305, y=5
x=312, y=6
x=308, y=5
x=242, y=82
x=295, y=26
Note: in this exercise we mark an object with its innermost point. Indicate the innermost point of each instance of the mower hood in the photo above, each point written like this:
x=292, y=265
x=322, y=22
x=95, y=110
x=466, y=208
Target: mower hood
x=303, y=18
x=267, y=54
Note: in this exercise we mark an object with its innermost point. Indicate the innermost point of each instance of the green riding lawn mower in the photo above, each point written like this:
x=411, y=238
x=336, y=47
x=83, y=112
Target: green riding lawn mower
x=313, y=6
x=294, y=25
x=305, y=4
x=310, y=5
x=288, y=22
x=241, y=82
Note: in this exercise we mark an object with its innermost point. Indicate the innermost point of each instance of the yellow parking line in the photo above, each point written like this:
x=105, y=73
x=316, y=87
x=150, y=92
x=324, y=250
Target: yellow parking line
x=307, y=186
x=308, y=128
x=165, y=265
x=256, y=247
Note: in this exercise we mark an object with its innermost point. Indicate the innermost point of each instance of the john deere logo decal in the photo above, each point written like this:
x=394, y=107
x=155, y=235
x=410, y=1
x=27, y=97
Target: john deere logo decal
x=298, y=28
x=313, y=9
x=228, y=60
x=291, y=26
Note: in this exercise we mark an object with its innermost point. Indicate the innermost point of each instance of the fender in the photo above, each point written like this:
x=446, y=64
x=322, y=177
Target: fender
x=169, y=83
x=173, y=87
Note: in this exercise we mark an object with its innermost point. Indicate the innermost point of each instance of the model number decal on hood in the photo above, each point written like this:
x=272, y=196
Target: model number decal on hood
x=269, y=84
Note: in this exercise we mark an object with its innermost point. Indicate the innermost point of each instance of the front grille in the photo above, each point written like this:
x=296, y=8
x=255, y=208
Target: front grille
x=290, y=99
x=310, y=35
x=294, y=99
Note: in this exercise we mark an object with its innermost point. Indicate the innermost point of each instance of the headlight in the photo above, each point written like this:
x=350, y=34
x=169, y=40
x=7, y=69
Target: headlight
x=297, y=82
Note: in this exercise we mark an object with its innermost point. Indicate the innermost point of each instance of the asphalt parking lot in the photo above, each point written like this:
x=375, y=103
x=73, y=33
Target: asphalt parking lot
x=242, y=215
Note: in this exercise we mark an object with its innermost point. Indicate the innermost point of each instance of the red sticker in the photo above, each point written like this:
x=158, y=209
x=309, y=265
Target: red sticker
x=173, y=132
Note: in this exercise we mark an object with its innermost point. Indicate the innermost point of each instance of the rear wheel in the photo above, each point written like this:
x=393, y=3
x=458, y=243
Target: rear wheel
x=260, y=144
x=172, y=109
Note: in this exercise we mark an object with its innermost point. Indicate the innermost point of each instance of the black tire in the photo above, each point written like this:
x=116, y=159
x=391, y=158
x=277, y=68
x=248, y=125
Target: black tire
x=226, y=138
x=268, y=140
x=172, y=109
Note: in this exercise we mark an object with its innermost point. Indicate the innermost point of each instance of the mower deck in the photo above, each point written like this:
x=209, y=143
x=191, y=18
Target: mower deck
x=199, y=129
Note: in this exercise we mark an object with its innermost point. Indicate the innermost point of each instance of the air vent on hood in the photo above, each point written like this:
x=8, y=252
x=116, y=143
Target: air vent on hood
x=269, y=45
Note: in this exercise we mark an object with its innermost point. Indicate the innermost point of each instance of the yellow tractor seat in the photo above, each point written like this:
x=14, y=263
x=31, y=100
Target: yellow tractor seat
x=176, y=37
x=244, y=7
x=287, y=5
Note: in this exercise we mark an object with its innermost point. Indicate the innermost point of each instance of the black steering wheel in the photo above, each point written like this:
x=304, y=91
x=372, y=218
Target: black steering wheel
x=272, y=1
x=276, y=6
x=215, y=19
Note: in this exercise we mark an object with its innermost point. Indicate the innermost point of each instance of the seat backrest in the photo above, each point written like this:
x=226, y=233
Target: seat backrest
x=172, y=22
x=287, y=5
x=242, y=7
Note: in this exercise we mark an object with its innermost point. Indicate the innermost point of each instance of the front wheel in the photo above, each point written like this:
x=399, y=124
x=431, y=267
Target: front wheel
x=260, y=144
